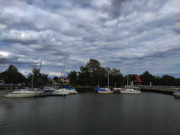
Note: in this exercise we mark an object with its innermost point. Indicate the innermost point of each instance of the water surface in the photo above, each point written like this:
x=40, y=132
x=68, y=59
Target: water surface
x=91, y=114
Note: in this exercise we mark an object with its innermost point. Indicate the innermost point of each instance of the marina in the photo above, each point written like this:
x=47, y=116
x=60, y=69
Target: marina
x=89, y=67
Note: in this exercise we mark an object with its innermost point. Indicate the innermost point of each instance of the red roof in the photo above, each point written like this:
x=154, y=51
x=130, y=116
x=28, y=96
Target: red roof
x=138, y=78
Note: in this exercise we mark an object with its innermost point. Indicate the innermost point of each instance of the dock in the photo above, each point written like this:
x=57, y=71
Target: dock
x=156, y=88
x=8, y=87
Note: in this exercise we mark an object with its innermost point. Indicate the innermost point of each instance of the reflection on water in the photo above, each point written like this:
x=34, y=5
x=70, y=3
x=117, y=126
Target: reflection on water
x=91, y=114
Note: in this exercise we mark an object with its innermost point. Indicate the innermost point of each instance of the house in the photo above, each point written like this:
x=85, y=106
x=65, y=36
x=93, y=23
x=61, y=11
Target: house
x=135, y=80
x=65, y=81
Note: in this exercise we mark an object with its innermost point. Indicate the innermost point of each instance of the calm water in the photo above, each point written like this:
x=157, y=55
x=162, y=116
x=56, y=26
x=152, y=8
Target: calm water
x=91, y=114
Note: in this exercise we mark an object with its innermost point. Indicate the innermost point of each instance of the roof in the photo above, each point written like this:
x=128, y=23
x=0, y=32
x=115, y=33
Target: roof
x=138, y=78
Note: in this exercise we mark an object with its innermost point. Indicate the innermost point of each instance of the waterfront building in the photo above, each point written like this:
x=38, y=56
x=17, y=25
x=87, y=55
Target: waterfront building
x=135, y=80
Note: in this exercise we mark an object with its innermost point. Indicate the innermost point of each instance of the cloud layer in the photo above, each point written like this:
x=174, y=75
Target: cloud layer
x=132, y=36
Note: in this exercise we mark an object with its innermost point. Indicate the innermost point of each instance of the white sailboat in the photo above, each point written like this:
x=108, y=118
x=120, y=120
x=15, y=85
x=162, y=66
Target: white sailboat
x=104, y=90
x=65, y=90
x=129, y=89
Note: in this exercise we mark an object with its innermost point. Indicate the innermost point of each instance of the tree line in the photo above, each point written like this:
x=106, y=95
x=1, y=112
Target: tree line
x=35, y=79
x=92, y=74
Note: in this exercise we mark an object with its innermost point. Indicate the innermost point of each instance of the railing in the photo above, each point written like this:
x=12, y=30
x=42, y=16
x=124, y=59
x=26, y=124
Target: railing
x=158, y=88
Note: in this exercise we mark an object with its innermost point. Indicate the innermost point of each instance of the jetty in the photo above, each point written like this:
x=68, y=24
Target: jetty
x=8, y=87
x=156, y=88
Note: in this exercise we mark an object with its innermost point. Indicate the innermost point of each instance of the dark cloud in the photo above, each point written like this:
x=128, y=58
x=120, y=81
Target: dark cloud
x=116, y=7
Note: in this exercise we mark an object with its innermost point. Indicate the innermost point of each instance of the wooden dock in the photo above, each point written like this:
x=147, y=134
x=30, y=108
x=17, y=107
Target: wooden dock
x=155, y=88
x=8, y=87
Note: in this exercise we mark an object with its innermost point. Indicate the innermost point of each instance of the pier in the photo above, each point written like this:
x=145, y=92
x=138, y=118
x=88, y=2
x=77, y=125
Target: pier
x=8, y=87
x=156, y=88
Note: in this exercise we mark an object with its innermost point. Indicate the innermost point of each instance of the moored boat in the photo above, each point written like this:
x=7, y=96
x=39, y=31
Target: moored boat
x=130, y=91
x=104, y=90
x=43, y=93
x=70, y=90
x=177, y=93
x=20, y=94
x=117, y=90
x=60, y=92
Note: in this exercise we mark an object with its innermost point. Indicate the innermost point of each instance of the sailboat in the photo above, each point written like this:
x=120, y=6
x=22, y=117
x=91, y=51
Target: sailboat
x=61, y=91
x=104, y=90
x=129, y=89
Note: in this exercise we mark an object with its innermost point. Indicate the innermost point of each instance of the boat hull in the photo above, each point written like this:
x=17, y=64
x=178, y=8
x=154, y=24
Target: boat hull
x=59, y=93
x=44, y=94
x=130, y=91
x=19, y=95
x=105, y=92
x=72, y=91
x=176, y=94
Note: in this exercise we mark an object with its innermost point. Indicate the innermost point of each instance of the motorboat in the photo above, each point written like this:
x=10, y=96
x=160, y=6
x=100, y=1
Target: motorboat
x=60, y=92
x=21, y=93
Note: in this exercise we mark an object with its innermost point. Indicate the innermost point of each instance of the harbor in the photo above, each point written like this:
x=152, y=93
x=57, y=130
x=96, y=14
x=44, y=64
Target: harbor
x=89, y=67
x=52, y=91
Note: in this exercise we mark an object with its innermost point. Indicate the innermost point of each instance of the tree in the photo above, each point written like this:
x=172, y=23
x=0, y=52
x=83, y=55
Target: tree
x=168, y=80
x=92, y=74
x=116, y=77
x=73, y=77
x=55, y=79
x=146, y=78
x=84, y=76
x=11, y=75
x=38, y=78
x=89, y=74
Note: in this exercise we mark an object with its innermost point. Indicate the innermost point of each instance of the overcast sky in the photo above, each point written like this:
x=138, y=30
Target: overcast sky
x=130, y=35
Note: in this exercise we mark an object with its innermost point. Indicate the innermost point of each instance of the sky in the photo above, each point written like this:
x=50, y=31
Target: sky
x=131, y=35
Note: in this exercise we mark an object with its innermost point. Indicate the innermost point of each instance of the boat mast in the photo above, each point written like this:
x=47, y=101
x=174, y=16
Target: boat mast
x=127, y=79
x=108, y=79
x=40, y=66
x=32, y=80
x=64, y=69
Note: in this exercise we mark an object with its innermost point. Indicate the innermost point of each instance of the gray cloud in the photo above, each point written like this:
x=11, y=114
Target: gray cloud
x=133, y=36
